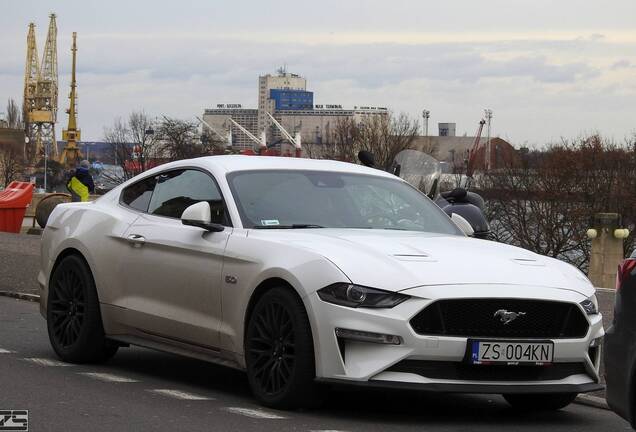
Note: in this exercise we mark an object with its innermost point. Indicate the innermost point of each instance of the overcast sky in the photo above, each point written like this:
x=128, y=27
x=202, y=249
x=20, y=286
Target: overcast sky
x=548, y=69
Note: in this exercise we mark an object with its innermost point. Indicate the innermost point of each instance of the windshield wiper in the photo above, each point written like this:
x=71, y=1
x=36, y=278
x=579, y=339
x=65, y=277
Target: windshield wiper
x=293, y=226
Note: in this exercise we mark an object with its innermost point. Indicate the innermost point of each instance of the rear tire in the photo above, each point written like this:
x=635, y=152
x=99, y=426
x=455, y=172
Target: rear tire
x=540, y=402
x=73, y=318
x=279, y=352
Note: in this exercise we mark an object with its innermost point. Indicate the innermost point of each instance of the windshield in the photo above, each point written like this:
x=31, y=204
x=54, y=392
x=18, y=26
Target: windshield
x=316, y=199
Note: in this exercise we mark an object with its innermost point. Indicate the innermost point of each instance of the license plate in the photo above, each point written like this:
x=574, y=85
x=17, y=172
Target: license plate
x=511, y=352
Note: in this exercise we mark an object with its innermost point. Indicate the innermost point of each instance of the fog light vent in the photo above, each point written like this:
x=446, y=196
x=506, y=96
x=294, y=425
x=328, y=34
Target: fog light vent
x=363, y=336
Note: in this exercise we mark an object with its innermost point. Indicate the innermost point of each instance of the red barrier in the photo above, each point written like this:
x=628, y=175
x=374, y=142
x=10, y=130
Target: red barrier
x=14, y=201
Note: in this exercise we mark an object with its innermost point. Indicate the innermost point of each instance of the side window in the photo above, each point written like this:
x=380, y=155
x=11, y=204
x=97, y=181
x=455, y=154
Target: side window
x=177, y=190
x=138, y=195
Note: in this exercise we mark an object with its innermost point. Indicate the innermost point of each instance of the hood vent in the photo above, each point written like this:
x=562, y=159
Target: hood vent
x=414, y=257
x=528, y=262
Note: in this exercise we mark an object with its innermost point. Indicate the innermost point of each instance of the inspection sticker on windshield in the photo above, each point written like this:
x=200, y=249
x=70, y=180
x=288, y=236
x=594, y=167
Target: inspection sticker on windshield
x=511, y=352
x=269, y=222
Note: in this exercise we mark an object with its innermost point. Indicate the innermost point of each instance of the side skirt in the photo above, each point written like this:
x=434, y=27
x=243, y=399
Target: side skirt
x=163, y=344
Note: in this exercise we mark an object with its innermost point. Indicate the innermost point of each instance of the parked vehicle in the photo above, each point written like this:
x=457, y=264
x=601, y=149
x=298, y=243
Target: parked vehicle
x=620, y=345
x=423, y=171
x=306, y=273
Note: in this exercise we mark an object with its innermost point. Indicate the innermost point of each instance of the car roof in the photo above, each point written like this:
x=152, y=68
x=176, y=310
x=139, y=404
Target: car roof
x=233, y=163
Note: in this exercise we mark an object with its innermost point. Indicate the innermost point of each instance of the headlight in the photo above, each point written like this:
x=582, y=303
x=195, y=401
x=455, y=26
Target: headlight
x=344, y=294
x=590, y=305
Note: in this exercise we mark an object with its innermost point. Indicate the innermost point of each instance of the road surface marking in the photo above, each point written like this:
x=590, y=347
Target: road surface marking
x=254, y=413
x=47, y=362
x=177, y=394
x=4, y=351
x=108, y=377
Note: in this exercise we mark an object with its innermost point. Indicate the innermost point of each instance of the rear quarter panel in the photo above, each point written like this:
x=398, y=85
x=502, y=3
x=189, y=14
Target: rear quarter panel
x=94, y=229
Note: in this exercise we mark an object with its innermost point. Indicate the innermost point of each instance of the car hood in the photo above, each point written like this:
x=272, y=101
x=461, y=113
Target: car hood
x=398, y=260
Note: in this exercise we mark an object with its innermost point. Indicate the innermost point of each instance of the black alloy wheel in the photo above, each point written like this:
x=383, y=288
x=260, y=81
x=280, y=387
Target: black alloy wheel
x=73, y=316
x=68, y=306
x=272, y=348
x=279, y=352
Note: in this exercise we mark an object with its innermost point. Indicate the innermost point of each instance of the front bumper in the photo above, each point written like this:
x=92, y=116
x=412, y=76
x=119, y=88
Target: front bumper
x=373, y=364
x=481, y=388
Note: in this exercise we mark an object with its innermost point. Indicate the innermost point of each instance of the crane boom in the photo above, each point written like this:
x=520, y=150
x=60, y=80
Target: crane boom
x=225, y=137
x=294, y=141
x=249, y=134
x=473, y=151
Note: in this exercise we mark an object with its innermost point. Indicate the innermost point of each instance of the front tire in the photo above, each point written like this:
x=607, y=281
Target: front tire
x=540, y=402
x=73, y=318
x=279, y=352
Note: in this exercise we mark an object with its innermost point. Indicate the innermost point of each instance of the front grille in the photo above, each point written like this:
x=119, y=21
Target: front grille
x=476, y=318
x=468, y=372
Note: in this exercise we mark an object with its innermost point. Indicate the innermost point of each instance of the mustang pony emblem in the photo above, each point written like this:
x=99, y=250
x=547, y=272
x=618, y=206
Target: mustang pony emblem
x=507, y=317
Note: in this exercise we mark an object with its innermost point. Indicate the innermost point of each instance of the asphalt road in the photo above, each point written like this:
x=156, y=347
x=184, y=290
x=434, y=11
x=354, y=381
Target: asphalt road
x=19, y=262
x=143, y=390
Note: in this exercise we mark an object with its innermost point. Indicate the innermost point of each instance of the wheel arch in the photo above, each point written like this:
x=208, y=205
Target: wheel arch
x=68, y=251
x=260, y=290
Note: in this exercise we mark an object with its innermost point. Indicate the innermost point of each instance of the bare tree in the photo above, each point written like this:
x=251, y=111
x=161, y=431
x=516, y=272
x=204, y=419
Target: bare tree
x=383, y=135
x=339, y=144
x=14, y=115
x=142, y=136
x=386, y=136
x=213, y=144
x=179, y=139
x=10, y=163
x=133, y=143
x=547, y=204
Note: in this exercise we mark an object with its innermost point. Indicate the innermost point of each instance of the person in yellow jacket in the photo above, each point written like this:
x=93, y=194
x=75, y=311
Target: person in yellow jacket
x=80, y=185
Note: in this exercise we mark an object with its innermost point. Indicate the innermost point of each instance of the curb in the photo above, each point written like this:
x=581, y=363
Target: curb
x=592, y=401
x=20, y=296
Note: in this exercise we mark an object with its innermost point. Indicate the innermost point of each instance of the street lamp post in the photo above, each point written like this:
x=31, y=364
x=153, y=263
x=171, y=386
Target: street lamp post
x=147, y=132
x=46, y=157
x=426, y=115
x=488, y=113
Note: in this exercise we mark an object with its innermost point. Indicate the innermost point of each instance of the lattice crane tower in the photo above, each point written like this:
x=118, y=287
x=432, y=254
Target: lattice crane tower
x=71, y=154
x=40, y=93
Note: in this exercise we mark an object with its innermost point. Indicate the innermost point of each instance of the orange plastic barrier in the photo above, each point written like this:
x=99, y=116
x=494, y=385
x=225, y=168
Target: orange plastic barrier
x=14, y=201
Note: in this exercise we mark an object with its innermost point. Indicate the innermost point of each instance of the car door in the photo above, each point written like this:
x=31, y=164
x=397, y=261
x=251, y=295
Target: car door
x=172, y=272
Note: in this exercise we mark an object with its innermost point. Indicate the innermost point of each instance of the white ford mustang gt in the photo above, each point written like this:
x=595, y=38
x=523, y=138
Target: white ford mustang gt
x=310, y=272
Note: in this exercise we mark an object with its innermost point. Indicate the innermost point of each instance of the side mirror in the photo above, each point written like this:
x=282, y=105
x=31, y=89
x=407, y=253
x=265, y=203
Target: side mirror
x=463, y=224
x=200, y=215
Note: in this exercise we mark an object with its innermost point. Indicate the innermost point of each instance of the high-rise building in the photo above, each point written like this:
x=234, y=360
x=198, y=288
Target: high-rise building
x=283, y=84
x=286, y=98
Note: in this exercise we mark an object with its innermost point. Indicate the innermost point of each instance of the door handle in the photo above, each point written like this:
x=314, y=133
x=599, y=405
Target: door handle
x=136, y=240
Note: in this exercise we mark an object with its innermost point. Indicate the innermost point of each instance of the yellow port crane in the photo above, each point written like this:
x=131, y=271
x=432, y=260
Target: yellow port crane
x=71, y=154
x=40, y=93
